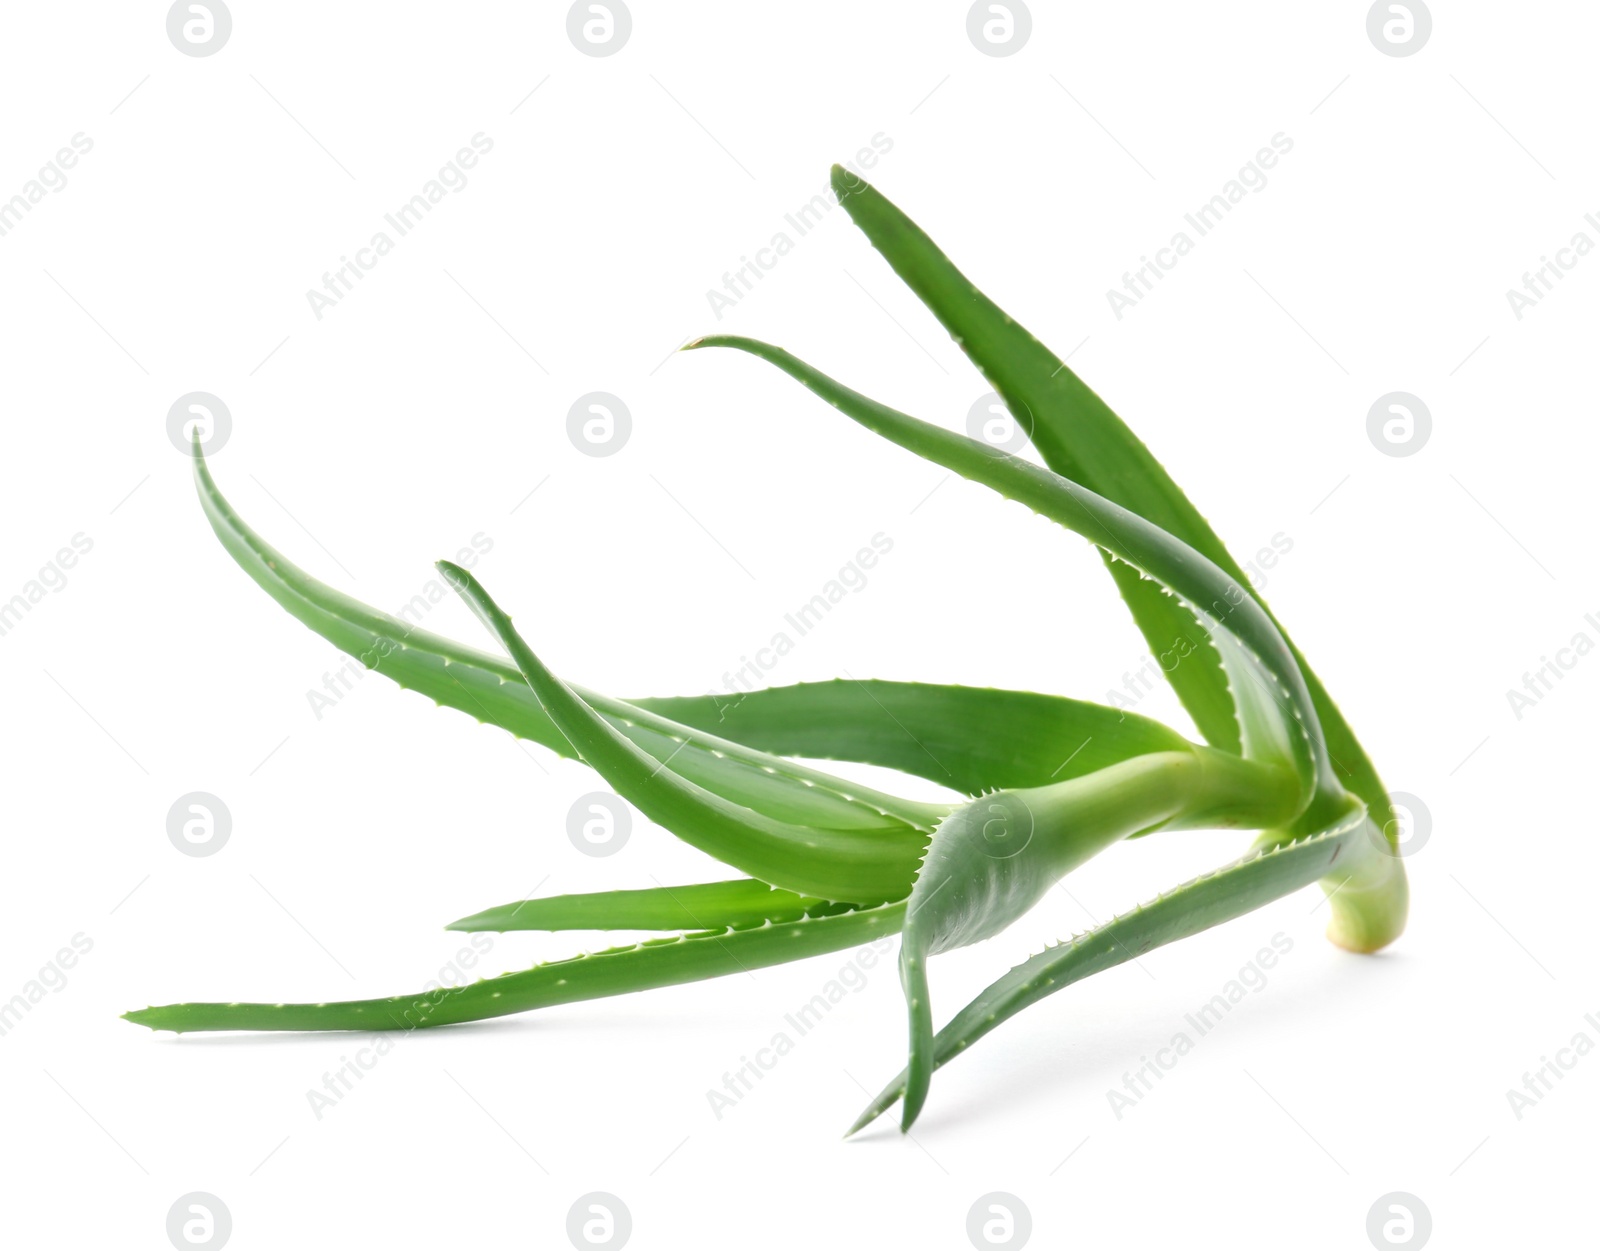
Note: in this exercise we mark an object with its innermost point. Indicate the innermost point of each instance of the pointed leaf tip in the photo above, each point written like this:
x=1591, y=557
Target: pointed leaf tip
x=475, y=597
x=846, y=181
x=828, y=863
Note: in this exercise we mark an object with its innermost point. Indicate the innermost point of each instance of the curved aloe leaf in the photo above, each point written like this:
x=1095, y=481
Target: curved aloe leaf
x=1277, y=721
x=1081, y=438
x=968, y=738
x=492, y=690
x=619, y=971
x=853, y=866
x=990, y=862
x=1270, y=692
x=704, y=906
x=1076, y=433
x=1347, y=848
x=1266, y=686
x=975, y=740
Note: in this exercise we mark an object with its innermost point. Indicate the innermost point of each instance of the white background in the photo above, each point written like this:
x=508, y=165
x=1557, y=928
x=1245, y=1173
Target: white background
x=432, y=400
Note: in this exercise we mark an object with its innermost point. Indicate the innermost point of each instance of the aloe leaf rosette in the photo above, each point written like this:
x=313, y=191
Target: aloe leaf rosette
x=1040, y=783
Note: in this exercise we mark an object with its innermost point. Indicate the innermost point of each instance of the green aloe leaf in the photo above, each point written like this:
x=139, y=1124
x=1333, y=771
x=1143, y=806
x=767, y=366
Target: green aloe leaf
x=968, y=738
x=853, y=866
x=1081, y=438
x=1266, y=689
x=492, y=690
x=1347, y=849
x=1170, y=629
x=703, y=906
x=975, y=740
x=619, y=971
x=965, y=891
x=979, y=740
x=991, y=861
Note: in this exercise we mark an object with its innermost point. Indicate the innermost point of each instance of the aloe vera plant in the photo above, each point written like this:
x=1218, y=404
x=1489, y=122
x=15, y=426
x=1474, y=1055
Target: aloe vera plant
x=1048, y=781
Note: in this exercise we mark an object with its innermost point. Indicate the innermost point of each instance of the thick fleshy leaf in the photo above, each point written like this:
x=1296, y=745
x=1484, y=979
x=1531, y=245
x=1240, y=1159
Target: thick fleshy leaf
x=619, y=971
x=968, y=738
x=1270, y=695
x=975, y=740
x=854, y=866
x=1265, y=683
x=703, y=906
x=1347, y=848
x=1277, y=722
x=1182, y=648
x=990, y=862
x=1076, y=433
x=492, y=690
x=1081, y=438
